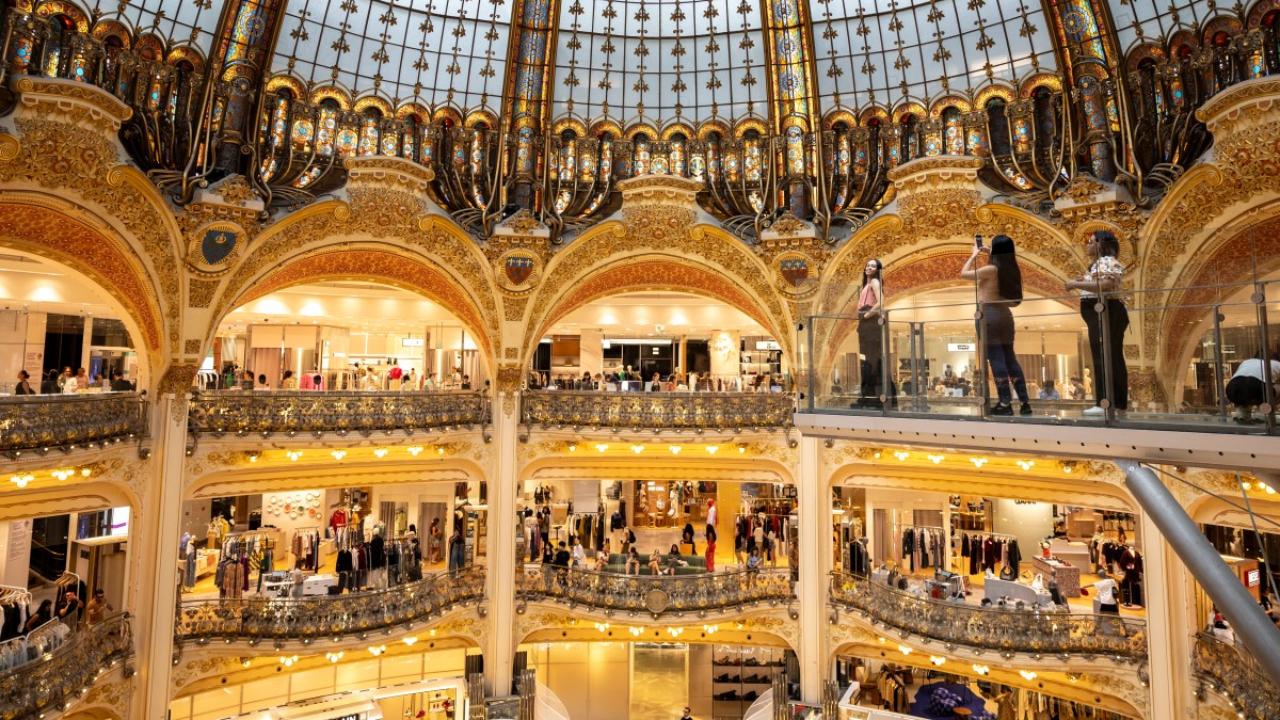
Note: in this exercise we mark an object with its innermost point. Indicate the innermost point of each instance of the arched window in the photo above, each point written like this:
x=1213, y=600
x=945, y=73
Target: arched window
x=998, y=122
x=326, y=127
x=910, y=137
x=57, y=46
x=640, y=155
x=276, y=131
x=1271, y=40
x=751, y=161
x=370, y=133
x=677, y=154
x=568, y=164
x=713, y=155
x=409, y=138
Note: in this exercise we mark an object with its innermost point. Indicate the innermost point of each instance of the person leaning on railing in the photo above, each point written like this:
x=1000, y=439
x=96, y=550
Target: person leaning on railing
x=1103, y=278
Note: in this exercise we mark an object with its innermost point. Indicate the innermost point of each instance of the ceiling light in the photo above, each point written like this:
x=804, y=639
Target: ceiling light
x=86, y=472
x=711, y=629
x=602, y=627
x=635, y=631
x=410, y=640
x=1026, y=464
x=376, y=650
x=712, y=449
x=1027, y=675
x=901, y=455
x=439, y=449
x=742, y=448
x=573, y=447
x=379, y=452
x=904, y=649
x=338, y=454
x=935, y=459
x=334, y=657
x=978, y=462
x=601, y=447
x=675, y=449
x=414, y=450
x=981, y=669
x=294, y=455
x=253, y=457
x=675, y=631
x=637, y=449
x=936, y=660
x=20, y=480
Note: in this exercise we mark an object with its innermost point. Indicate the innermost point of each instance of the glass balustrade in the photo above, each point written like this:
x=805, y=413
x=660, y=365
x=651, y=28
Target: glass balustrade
x=56, y=677
x=271, y=618
x=662, y=595
x=302, y=411
x=1002, y=630
x=1160, y=359
x=33, y=422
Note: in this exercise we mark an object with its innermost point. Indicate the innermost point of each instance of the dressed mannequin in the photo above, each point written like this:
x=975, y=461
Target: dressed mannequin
x=1037, y=583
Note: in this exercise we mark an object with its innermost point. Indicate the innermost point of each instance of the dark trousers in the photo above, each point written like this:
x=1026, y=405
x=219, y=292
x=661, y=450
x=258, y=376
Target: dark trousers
x=1005, y=368
x=1117, y=319
x=1245, y=391
x=871, y=346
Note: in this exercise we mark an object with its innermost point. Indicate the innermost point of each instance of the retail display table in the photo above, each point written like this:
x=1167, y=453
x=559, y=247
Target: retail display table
x=1075, y=554
x=1066, y=575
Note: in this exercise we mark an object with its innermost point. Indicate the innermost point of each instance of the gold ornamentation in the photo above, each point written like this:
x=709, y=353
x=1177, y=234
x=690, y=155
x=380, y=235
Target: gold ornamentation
x=789, y=225
x=200, y=292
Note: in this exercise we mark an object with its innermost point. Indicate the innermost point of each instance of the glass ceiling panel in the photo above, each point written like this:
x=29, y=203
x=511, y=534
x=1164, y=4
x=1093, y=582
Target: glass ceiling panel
x=177, y=22
x=434, y=52
x=660, y=60
x=1152, y=21
x=886, y=52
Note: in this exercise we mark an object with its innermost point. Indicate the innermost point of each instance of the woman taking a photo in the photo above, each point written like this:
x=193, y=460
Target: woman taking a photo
x=871, y=337
x=999, y=289
x=1103, y=277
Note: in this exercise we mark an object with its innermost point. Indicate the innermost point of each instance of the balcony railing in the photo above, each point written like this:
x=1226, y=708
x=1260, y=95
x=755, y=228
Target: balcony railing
x=313, y=618
x=931, y=360
x=1005, y=631
x=30, y=690
x=659, y=595
x=303, y=411
x=34, y=422
x=1234, y=673
x=657, y=410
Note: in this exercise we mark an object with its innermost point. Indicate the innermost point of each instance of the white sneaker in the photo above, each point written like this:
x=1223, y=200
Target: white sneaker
x=1096, y=411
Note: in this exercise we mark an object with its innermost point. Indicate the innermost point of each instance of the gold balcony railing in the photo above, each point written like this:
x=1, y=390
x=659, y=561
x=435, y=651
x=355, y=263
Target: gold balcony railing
x=1004, y=631
x=659, y=596
x=303, y=411
x=312, y=618
x=48, y=683
x=34, y=422
x=657, y=410
x=1235, y=674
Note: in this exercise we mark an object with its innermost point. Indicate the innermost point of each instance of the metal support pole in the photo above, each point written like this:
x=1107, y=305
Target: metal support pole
x=1220, y=380
x=1252, y=626
x=1268, y=390
x=1108, y=347
x=886, y=389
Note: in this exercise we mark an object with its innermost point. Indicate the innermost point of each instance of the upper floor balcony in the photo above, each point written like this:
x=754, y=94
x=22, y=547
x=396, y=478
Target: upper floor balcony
x=657, y=411
x=340, y=412
x=1234, y=672
x=1118, y=370
x=659, y=596
x=58, y=674
x=1005, y=631
x=307, y=619
x=67, y=422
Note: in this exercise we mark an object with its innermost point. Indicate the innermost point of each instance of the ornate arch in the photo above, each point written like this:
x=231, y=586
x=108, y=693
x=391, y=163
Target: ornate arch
x=55, y=234
x=377, y=262
x=656, y=246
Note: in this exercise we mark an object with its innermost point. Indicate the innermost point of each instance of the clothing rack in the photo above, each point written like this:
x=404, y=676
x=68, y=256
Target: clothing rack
x=13, y=595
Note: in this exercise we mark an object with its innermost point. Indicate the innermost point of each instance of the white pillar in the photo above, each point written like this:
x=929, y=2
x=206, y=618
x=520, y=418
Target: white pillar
x=1164, y=584
x=155, y=587
x=815, y=556
x=499, y=653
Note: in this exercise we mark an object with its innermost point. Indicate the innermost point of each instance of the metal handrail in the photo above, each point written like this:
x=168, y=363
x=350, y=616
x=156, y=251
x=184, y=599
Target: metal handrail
x=1004, y=630
x=327, y=616
x=656, y=410
x=45, y=684
x=1232, y=671
x=657, y=595
x=33, y=422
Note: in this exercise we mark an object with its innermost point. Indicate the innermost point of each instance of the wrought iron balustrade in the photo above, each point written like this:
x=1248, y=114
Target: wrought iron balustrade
x=657, y=411
x=303, y=411
x=44, y=685
x=1234, y=673
x=327, y=616
x=661, y=595
x=1005, y=631
x=29, y=422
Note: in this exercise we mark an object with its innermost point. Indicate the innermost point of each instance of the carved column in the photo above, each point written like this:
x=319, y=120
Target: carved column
x=1165, y=583
x=156, y=538
x=815, y=555
x=499, y=652
x=243, y=46
x=525, y=109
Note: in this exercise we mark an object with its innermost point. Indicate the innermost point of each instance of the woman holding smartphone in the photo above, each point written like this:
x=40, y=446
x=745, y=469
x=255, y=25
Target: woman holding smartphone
x=999, y=289
x=870, y=337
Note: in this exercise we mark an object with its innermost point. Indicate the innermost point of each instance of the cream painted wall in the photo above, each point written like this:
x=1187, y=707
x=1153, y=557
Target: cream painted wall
x=591, y=351
x=1029, y=522
x=725, y=363
x=592, y=679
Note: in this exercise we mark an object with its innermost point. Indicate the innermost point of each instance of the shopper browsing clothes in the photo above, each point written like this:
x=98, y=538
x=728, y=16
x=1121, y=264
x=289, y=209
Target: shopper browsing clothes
x=999, y=290
x=1102, y=279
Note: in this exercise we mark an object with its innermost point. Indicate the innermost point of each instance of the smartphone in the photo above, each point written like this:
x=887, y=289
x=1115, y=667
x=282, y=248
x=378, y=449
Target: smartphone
x=977, y=241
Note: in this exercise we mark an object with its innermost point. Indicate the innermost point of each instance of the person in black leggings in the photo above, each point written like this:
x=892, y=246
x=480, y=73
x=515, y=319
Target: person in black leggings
x=1102, y=280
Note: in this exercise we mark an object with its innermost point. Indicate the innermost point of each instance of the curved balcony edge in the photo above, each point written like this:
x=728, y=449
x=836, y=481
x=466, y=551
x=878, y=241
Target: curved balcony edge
x=1008, y=632
x=60, y=674
x=660, y=597
x=1233, y=673
x=40, y=423
x=334, y=617
x=341, y=412
x=657, y=411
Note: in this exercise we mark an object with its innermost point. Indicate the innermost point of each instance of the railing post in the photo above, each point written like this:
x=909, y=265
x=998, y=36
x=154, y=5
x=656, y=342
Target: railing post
x=1108, y=347
x=1264, y=337
x=980, y=375
x=812, y=366
x=885, y=387
x=1219, y=378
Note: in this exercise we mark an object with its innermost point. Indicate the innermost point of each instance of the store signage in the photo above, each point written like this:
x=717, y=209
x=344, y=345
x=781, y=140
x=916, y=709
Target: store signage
x=961, y=347
x=413, y=342
x=768, y=345
x=1254, y=578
